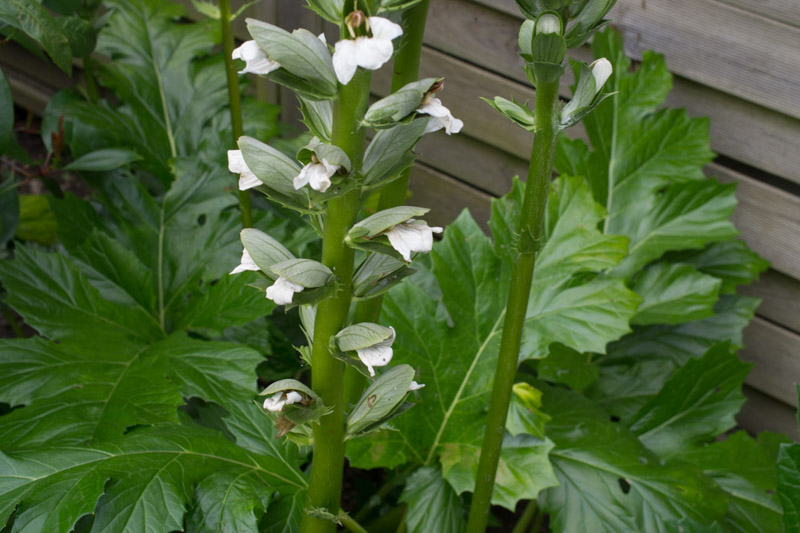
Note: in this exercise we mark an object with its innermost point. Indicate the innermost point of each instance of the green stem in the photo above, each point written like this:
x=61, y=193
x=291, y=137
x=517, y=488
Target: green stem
x=537, y=522
x=325, y=484
x=89, y=79
x=530, y=232
x=406, y=70
x=234, y=100
x=352, y=525
x=527, y=517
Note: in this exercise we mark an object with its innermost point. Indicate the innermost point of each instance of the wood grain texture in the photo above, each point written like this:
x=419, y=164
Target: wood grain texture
x=742, y=130
x=785, y=11
x=775, y=351
x=780, y=299
x=714, y=43
x=768, y=218
x=446, y=197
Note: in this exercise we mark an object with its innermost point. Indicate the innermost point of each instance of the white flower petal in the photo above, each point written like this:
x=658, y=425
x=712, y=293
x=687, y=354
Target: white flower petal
x=601, y=70
x=282, y=291
x=411, y=236
x=322, y=38
x=383, y=28
x=293, y=397
x=372, y=53
x=275, y=402
x=246, y=263
x=317, y=175
x=434, y=108
x=236, y=164
x=415, y=386
x=319, y=179
x=345, y=60
x=440, y=117
x=379, y=354
x=302, y=179
x=256, y=61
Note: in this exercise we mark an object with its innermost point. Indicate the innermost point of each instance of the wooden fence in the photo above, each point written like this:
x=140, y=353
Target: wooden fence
x=735, y=61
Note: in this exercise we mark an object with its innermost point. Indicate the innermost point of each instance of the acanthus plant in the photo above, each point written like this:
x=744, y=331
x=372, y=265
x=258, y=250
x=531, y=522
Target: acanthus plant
x=137, y=408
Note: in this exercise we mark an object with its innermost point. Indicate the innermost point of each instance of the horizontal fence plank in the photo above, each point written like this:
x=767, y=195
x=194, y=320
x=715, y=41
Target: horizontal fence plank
x=713, y=43
x=768, y=218
x=775, y=351
x=741, y=130
x=446, y=197
x=780, y=299
x=785, y=11
x=762, y=412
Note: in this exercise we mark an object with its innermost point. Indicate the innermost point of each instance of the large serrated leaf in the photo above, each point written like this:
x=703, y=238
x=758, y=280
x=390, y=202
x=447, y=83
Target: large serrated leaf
x=432, y=504
x=746, y=469
x=695, y=405
x=639, y=364
x=142, y=482
x=609, y=481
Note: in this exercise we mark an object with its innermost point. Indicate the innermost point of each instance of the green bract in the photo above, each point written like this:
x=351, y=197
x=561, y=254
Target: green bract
x=362, y=335
x=389, y=153
x=382, y=401
x=264, y=250
x=305, y=61
x=306, y=272
x=384, y=220
x=277, y=171
x=377, y=274
x=330, y=153
x=400, y=105
x=519, y=114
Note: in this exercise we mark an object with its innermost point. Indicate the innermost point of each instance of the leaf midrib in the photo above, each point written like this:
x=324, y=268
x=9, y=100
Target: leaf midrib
x=457, y=397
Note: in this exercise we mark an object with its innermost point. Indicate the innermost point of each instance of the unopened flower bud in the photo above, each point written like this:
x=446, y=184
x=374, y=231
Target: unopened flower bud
x=601, y=70
x=548, y=23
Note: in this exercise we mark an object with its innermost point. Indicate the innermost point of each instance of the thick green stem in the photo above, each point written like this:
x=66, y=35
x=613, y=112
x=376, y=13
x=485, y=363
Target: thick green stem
x=325, y=484
x=234, y=100
x=527, y=517
x=530, y=234
x=406, y=70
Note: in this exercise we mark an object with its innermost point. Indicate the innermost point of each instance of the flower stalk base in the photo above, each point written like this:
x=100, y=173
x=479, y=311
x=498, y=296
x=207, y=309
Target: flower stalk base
x=530, y=235
x=325, y=484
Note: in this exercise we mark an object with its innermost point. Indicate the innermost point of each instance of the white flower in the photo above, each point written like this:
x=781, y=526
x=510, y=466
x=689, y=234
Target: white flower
x=412, y=236
x=601, y=70
x=415, y=386
x=246, y=263
x=378, y=354
x=318, y=175
x=440, y=117
x=236, y=164
x=257, y=62
x=282, y=291
x=276, y=402
x=365, y=52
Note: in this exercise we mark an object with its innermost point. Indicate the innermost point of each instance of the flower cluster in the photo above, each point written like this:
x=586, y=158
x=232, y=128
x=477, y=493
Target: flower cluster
x=322, y=171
